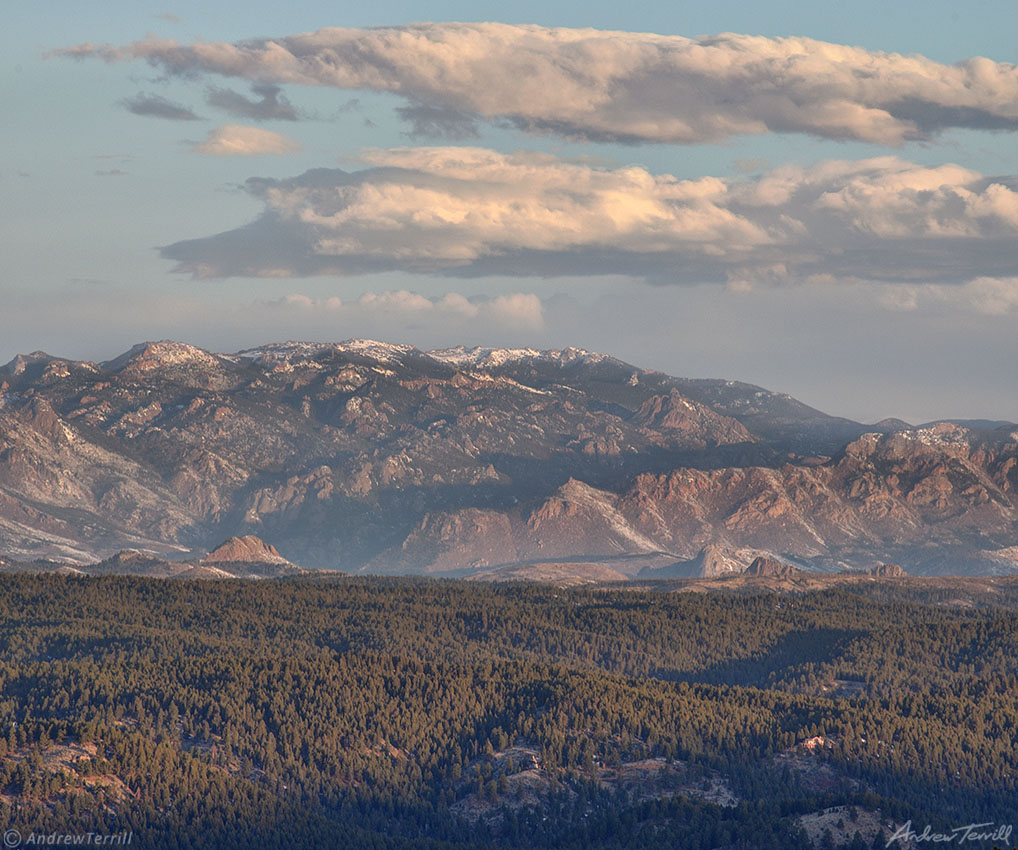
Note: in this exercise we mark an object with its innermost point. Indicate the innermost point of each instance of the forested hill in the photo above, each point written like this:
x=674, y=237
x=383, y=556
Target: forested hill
x=397, y=713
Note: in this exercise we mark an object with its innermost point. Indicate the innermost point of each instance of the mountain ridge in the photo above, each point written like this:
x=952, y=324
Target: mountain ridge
x=372, y=456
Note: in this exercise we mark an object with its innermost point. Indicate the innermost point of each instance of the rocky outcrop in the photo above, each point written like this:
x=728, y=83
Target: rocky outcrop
x=449, y=542
x=770, y=568
x=673, y=412
x=247, y=549
x=130, y=563
x=888, y=571
x=712, y=561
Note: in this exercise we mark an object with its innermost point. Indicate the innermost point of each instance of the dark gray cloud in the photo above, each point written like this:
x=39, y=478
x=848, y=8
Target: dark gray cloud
x=619, y=86
x=157, y=106
x=437, y=122
x=271, y=104
x=472, y=212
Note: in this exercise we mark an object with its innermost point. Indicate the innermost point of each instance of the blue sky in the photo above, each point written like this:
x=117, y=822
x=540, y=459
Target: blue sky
x=905, y=324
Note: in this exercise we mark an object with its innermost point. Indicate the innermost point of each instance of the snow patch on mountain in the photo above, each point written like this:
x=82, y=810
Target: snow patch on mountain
x=492, y=358
x=459, y=357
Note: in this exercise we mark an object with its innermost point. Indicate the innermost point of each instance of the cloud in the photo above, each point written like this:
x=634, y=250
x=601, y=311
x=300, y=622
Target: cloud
x=472, y=212
x=989, y=296
x=438, y=122
x=992, y=296
x=270, y=106
x=156, y=106
x=631, y=87
x=111, y=172
x=240, y=140
x=520, y=310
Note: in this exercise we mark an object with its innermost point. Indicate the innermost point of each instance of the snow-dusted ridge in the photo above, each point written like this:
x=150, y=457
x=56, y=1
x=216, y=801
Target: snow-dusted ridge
x=489, y=358
x=281, y=350
x=390, y=353
x=165, y=352
x=161, y=353
x=381, y=352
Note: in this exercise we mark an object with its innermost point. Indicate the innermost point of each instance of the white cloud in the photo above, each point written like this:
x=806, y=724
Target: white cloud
x=241, y=140
x=625, y=86
x=989, y=296
x=522, y=310
x=466, y=211
x=395, y=301
x=992, y=296
x=519, y=308
x=298, y=301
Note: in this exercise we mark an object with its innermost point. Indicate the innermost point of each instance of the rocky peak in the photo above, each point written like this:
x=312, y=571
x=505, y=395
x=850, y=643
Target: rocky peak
x=717, y=560
x=381, y=352
x=22, y=361
x=39, y=415
x=770, y=567
x=246, y=549
x=149, y=356
x=711, y=561
x=675, y=412
x=864, y=446
x=892, y=424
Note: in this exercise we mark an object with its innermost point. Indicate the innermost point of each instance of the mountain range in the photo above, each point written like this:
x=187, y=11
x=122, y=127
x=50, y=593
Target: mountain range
x=365, y=456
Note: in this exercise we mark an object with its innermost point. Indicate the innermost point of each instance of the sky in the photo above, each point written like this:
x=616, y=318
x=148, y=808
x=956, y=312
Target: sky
x=820, y=200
